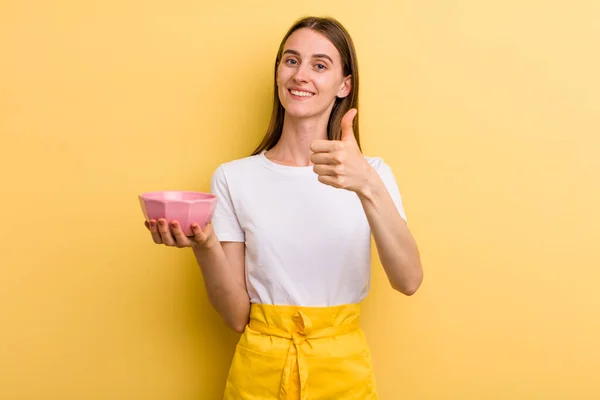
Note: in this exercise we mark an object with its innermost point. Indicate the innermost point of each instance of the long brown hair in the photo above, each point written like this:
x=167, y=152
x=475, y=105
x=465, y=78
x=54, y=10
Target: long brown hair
x=339, y=37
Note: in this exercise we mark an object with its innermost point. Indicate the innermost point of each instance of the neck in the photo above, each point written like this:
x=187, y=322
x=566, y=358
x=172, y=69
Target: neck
x=293, y=148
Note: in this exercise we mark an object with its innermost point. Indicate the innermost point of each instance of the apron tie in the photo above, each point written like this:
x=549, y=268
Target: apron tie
x=302, y=333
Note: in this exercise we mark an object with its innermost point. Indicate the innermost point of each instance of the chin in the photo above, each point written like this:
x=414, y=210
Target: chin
x=297, y=110
x=299, y=113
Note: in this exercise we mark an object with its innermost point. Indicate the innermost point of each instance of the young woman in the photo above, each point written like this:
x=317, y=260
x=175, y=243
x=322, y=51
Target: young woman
x=286, y=260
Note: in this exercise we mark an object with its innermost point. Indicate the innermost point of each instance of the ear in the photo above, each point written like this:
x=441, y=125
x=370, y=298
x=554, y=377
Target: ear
x=345, y=88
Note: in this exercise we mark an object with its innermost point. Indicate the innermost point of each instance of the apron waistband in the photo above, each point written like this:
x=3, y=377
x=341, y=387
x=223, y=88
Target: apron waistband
x=299, y=324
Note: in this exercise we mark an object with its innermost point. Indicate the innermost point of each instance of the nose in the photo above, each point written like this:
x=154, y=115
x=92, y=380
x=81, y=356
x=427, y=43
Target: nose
x=301, y=75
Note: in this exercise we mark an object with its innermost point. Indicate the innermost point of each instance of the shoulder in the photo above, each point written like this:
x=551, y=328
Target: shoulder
x=241, y=166
x=379, y=165
x=389, y=180
x=384, y=171
x=375, y=161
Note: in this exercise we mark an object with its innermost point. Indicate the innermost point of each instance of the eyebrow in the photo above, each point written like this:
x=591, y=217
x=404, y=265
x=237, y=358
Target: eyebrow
x=294, y=52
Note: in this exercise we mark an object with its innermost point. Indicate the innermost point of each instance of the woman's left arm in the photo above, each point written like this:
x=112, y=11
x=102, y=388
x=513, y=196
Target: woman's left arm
x=340, y=163
x=397, y=249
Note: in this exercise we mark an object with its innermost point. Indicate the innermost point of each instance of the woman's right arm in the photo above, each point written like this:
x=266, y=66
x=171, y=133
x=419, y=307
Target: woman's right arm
x=222, y=265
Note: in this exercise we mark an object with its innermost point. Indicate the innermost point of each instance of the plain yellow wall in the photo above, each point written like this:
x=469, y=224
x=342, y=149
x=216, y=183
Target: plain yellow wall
x=488, y=113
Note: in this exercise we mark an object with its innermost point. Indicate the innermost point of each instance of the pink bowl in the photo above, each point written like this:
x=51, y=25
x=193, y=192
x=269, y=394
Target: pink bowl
x=184, y=206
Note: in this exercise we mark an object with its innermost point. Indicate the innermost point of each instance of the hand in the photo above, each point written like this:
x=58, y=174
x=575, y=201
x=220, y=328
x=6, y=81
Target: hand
x=172, y=235
x=340, y=163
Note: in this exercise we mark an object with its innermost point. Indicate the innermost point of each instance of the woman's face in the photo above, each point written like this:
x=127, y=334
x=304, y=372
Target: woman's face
x=310, y=75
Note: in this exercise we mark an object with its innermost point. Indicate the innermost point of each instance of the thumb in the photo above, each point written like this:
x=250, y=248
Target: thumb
x=347, y=131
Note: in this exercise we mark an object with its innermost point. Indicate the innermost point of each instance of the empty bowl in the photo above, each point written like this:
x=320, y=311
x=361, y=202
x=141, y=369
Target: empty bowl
x=184, y=206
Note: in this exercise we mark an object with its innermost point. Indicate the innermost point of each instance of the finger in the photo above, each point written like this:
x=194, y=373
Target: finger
x=347, y=124
x=325, y=170
x=325, y=146
x=165, y=232
x=326, y=158
x=330, y=180
x=199, y=235
x=180, y=239
x=153, y=227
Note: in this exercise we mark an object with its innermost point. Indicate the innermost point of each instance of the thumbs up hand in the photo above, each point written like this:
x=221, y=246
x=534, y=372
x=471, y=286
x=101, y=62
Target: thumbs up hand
x=340, y=163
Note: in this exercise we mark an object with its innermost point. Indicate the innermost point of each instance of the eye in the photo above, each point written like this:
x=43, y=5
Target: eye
x=320, y=67
x=291, y=61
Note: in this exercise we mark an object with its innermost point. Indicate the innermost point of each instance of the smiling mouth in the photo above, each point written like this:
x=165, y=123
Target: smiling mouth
x=299, y=93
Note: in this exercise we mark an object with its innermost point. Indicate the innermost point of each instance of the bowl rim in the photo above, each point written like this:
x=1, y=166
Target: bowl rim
x=210, y=197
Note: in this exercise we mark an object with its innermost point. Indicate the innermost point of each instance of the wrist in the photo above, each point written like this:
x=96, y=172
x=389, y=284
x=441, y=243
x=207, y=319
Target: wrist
x=369, y=187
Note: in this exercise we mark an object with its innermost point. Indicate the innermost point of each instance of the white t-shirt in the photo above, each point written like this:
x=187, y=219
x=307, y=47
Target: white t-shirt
x=307, y=243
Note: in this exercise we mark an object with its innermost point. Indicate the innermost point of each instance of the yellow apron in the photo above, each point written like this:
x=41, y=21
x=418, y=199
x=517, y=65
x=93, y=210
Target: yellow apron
x=302, y=353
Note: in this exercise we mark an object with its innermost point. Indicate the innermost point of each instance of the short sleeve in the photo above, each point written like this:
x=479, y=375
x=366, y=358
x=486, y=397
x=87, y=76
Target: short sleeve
x=225, y=221
x=389, y=180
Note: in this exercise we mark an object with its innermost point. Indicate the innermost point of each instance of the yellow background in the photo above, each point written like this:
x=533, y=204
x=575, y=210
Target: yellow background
x=488, y=113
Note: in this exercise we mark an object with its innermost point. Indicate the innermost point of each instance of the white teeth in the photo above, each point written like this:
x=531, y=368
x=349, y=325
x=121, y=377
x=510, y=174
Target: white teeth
x=303, y=94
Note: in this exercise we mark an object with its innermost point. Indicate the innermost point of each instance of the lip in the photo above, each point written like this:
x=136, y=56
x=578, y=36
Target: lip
x=300, y=90
x=300, y=98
